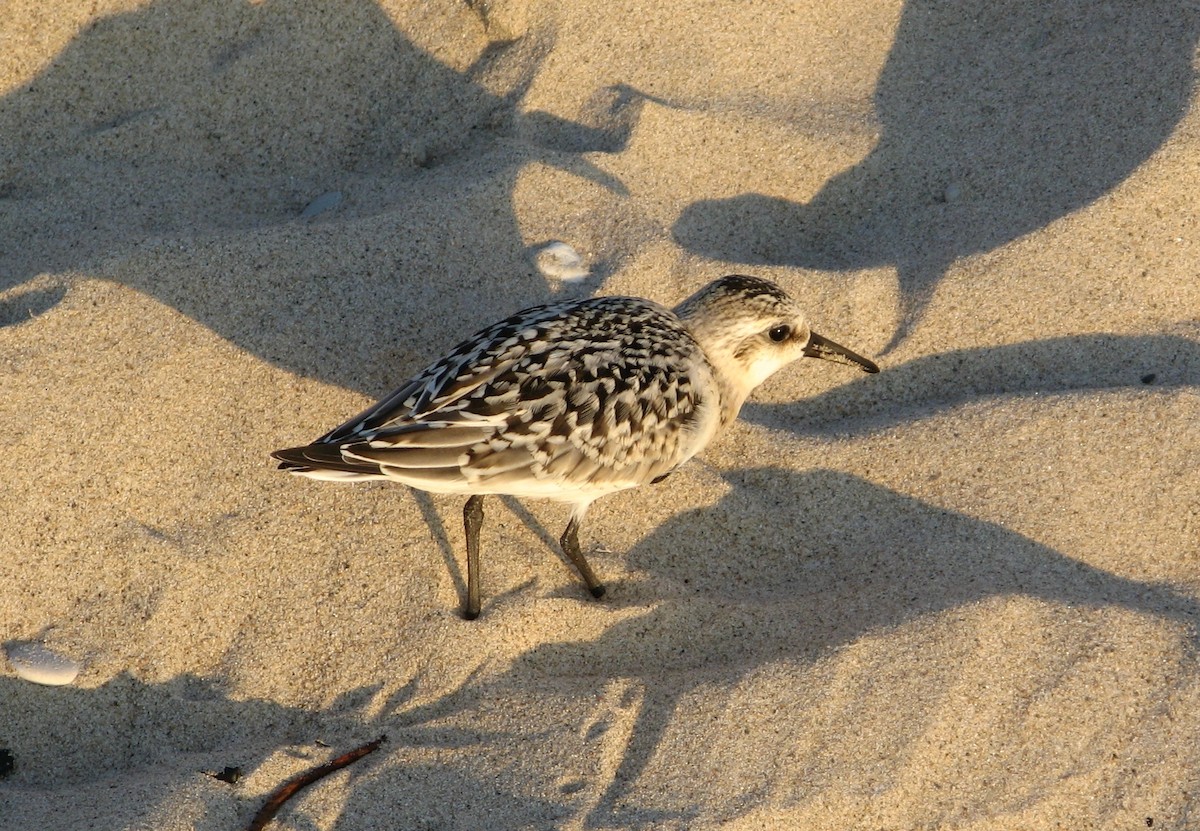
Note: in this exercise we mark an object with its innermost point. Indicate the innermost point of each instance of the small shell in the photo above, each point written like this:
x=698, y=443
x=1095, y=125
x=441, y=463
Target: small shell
x=560, y=261
x=36, y=663
x=324, y=202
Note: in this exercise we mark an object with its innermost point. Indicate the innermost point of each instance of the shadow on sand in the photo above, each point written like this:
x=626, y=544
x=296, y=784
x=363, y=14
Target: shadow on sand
x=933, y=383
x=995, y=120
x=857, y=562
x=161, y=743
x=156, y=130
x=732, y=590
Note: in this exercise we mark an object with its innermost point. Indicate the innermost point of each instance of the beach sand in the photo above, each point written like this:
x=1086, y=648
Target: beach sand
x=963, y=593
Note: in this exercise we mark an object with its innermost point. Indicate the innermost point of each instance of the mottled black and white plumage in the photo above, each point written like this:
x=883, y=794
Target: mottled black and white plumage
x=572, y=401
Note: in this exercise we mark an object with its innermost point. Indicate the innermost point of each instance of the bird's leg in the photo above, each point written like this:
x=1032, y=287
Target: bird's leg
x=472, y=522
x=570, y=546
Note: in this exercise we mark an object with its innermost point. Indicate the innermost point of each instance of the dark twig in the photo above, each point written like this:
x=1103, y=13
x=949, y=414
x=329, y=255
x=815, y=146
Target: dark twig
x=291, y=787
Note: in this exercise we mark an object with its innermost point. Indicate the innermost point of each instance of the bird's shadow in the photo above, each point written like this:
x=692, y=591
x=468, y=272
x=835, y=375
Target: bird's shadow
x=792, y=567
x=176, y=133
x=995, y=119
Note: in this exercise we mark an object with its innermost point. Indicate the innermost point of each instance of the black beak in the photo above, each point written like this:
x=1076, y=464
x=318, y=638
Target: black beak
x=819, y=347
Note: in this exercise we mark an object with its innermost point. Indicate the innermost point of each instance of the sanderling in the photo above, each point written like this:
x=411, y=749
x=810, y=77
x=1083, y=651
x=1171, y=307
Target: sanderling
x=572, y=401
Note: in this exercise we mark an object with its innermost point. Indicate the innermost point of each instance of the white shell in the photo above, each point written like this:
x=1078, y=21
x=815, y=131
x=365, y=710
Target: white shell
x=560, y=261
x=324, y=202
x=36, y=663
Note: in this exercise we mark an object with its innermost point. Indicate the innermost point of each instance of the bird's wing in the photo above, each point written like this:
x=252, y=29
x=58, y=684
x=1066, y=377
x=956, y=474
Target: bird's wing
x=470, y=365
x=575, y=399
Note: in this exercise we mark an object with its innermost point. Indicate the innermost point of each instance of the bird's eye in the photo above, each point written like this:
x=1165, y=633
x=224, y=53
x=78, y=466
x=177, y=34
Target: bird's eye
x=780, y=333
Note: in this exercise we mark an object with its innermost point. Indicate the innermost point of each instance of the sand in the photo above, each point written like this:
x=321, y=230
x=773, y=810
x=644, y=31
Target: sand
x=963, y=593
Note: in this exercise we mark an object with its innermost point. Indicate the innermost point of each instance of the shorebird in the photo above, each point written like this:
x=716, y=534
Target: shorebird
x=571, y=401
